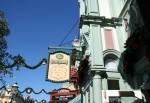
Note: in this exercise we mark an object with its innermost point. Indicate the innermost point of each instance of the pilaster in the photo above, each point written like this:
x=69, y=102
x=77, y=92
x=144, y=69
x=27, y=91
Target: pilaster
x=91, y=93
x=97, y=87
x=86, y=97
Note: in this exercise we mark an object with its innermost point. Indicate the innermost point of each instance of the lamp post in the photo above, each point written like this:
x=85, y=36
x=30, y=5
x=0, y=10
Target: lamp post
x=43, y=101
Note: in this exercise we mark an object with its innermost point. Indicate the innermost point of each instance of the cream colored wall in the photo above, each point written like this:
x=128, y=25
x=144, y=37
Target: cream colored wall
x=69, y=86
x=109, y=9
x=119, y=34
x=104, y=8
x=5, y=99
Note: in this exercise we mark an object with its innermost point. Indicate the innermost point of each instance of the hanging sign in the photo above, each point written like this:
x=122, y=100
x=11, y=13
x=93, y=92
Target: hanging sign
x=58, y=67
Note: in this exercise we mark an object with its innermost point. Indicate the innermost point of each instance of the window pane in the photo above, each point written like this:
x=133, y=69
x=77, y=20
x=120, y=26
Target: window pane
x=113, y=84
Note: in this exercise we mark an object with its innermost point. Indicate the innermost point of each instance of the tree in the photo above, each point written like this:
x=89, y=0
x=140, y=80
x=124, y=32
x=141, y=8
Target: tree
x=4, y=31
x=7, y=61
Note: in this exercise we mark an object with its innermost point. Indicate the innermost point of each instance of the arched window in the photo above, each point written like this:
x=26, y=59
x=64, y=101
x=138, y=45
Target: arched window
x=111, y=62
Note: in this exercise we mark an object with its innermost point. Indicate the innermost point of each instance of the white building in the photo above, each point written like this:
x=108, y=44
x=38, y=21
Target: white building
x=11, y=95
x=102, y=43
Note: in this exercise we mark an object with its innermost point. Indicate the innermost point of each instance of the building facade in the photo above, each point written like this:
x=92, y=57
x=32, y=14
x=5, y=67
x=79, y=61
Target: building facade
x=62, y=95
x=10, y=94
x=134, y=64
x=102, y=41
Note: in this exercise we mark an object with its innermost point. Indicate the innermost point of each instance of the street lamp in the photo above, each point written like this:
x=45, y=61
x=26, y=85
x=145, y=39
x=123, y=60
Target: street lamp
x=44, y=61
x=29, y=90
x=76, y=49
x=43, y=101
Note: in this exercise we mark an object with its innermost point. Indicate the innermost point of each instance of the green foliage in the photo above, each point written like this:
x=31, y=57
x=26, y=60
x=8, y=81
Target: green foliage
x=3, y=28
x=7, y=61
x=4, y=31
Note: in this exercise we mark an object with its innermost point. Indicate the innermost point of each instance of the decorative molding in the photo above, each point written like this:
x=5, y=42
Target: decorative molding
x=111, y=51
x=100, y=20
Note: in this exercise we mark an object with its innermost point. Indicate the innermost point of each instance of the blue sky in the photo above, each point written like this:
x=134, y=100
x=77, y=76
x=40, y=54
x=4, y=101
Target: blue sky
x=34, y=25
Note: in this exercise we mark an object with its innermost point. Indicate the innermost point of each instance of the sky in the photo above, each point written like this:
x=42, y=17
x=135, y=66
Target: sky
x=34, y=25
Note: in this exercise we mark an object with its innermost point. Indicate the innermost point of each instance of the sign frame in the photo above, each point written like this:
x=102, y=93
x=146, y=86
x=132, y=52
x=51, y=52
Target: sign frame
x=47, y=72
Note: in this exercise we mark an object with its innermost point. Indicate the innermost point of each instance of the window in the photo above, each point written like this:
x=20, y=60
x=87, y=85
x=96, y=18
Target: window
x=126, y=24
x=108, y=39
x=111, y=64
x=114, y=100
x=113, y=84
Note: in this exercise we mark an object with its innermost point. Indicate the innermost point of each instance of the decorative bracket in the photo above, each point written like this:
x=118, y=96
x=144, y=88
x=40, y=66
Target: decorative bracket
x=85, y=39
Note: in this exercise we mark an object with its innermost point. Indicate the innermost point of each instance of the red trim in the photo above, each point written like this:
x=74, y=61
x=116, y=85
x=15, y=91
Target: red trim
x=63, y=92
x=108, y=39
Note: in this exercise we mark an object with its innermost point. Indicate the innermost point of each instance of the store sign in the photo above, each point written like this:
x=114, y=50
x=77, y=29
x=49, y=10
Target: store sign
x=58, y=67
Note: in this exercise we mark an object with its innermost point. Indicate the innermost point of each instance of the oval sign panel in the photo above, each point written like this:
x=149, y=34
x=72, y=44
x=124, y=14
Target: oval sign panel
x=59, y=56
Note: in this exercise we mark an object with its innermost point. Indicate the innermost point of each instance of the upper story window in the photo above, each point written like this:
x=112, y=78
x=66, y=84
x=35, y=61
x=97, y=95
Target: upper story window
x=113, y=84
x=126, y=24
x=108, y=39
x=111, y=64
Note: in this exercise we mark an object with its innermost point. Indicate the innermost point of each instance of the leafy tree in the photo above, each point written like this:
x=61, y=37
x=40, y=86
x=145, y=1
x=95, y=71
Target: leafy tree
x=7, y=61
x=4, y=31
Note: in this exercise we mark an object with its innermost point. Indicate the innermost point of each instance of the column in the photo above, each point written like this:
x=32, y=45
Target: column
x=81, y=95
x=105, y=84
x=92, y=7
x=97, y=88
x=82, y=7
x=96, y=47
x=86, y=96
x=84, y=99
x=91, y=93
